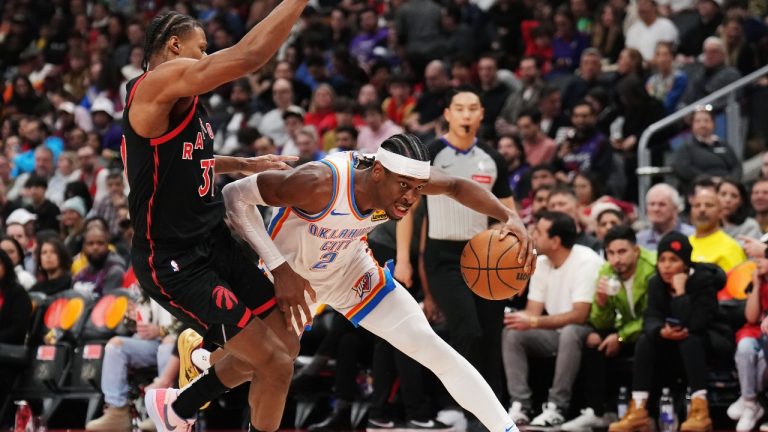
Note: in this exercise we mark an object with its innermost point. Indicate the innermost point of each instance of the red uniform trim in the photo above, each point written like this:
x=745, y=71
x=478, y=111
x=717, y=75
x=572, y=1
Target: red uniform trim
x=133, y=90
x=172, y=134
x=265, y=306
x=244, y=320
x=152, y=247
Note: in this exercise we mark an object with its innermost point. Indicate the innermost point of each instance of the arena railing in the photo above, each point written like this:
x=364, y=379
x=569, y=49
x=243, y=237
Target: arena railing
x=734, y=130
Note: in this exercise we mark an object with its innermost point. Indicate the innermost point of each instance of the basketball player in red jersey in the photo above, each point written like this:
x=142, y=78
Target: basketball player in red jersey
x=183, y=255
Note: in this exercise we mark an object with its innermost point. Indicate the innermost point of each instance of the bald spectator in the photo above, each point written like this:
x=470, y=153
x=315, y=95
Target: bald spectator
x=271, y=124
x=710, y=243
x=649, y=29
x=711, y=74
x=429, y=108
x=376, y=129
x=759, y=201
x=663, y=205
x=564, y=200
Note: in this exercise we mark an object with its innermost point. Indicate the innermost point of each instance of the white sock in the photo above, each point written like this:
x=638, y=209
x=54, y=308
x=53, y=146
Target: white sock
x=639, y=397
x=399, y=320
x=702, y=394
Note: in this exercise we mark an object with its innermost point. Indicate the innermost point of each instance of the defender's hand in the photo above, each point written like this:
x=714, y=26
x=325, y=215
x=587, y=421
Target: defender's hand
x=258, y=164
x=289, y=293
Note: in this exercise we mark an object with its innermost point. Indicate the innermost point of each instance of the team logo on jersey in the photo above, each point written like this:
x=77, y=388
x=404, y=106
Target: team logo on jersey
x=379, y=215
x=363, y=285
x=224, y=298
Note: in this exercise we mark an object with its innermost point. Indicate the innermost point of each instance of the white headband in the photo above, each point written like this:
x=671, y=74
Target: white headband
x=402, y=165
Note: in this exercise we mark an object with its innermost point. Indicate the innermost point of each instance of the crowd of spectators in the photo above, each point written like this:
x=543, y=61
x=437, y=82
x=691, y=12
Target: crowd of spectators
x=567, y=88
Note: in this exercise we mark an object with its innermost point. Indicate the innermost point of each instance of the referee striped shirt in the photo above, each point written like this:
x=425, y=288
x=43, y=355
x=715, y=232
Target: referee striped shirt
x=449, y=220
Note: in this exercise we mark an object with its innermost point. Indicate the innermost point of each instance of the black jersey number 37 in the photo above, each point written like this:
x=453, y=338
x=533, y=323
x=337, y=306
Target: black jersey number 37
x=208, y=166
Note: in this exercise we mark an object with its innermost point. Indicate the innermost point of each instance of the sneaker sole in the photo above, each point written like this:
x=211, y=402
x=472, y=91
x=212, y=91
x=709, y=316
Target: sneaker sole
x=189, y=340
x=151, y=404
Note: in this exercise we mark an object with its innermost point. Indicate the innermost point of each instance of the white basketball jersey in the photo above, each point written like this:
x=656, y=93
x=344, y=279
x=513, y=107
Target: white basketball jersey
x=329, y=244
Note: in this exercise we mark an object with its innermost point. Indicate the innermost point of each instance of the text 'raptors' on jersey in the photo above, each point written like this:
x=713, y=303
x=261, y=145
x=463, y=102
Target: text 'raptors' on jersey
x=184, y=179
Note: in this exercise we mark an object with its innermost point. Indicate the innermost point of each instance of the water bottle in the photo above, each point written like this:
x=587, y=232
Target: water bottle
x=687, y=402
x=667, y=418
x=622, y=401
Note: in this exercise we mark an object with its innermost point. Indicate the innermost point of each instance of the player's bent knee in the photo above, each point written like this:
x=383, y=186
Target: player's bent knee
x=115, y=341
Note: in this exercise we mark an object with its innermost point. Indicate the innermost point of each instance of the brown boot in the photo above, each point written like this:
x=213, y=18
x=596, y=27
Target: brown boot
x=114, y=419
x=698, y=418
x=635, y=420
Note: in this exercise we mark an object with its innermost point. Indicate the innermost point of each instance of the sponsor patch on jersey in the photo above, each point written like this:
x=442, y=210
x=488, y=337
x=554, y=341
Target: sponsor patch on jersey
x=379, y=215
x=363, y=285
x=480, y=178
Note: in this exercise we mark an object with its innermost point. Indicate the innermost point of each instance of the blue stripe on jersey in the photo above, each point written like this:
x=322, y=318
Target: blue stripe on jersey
x=351, y=194
x=275, y=218
x=313, y=218
x=389, y=286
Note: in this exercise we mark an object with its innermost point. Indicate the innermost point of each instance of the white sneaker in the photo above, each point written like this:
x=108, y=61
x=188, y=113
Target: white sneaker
x=519, y=416
x=586, y=421
x=550, y=416
x=736, y=408
x=454, y=418
x=752, y=412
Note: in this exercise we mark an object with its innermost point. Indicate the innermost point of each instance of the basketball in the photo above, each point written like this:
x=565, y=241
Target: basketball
x=489, y=266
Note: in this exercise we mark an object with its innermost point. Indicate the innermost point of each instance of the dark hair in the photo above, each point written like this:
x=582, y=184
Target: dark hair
x=594, y=183
x=533, y=113
x=618, y=213
x=36, y=181
x=542, y=167
x=407, y=145
x=620, y=232
x=546, y=91
x=564, y=190
x=399, y=79
x=65, y=259
x=703, y=181
x=372, y=107
x=17, y=245
x=583, y=102
x=461, y=89
x=344, y=105
x=78, y=188
x=517, y=142
x=98, y=219
x=740, y=215
x=563, y=226
x=9, y=275
x=162, y=28
x=348, y=129
x=114, y=173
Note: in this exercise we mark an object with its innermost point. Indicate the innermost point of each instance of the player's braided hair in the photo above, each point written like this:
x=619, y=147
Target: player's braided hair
x=161, y=28
x=407, y=145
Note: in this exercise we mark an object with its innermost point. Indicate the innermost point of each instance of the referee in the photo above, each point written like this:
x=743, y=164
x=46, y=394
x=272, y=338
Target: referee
x=474, y=324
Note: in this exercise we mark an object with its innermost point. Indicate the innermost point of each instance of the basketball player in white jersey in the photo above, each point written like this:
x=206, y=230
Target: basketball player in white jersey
x=325, y=211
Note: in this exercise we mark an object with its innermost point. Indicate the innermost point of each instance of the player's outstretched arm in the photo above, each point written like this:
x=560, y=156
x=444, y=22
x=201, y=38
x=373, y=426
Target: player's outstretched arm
x=299, y=188
x=184, y=77
x=470, y=194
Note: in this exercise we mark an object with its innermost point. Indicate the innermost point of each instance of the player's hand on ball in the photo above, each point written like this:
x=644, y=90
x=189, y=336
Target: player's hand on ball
x=289, y=293
x=258, y=164
x=526, y=255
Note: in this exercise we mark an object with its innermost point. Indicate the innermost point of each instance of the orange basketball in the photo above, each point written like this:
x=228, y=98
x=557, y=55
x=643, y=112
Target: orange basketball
x=489, y=266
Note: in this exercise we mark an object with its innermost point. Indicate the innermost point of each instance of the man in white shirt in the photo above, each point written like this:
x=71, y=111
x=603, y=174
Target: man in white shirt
x=649, y=30
x=271, y=124
x=563, y=286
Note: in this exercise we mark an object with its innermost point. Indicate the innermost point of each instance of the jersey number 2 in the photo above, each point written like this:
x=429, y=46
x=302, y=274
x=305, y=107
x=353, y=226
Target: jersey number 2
x=325, y=259
x=207, y=166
